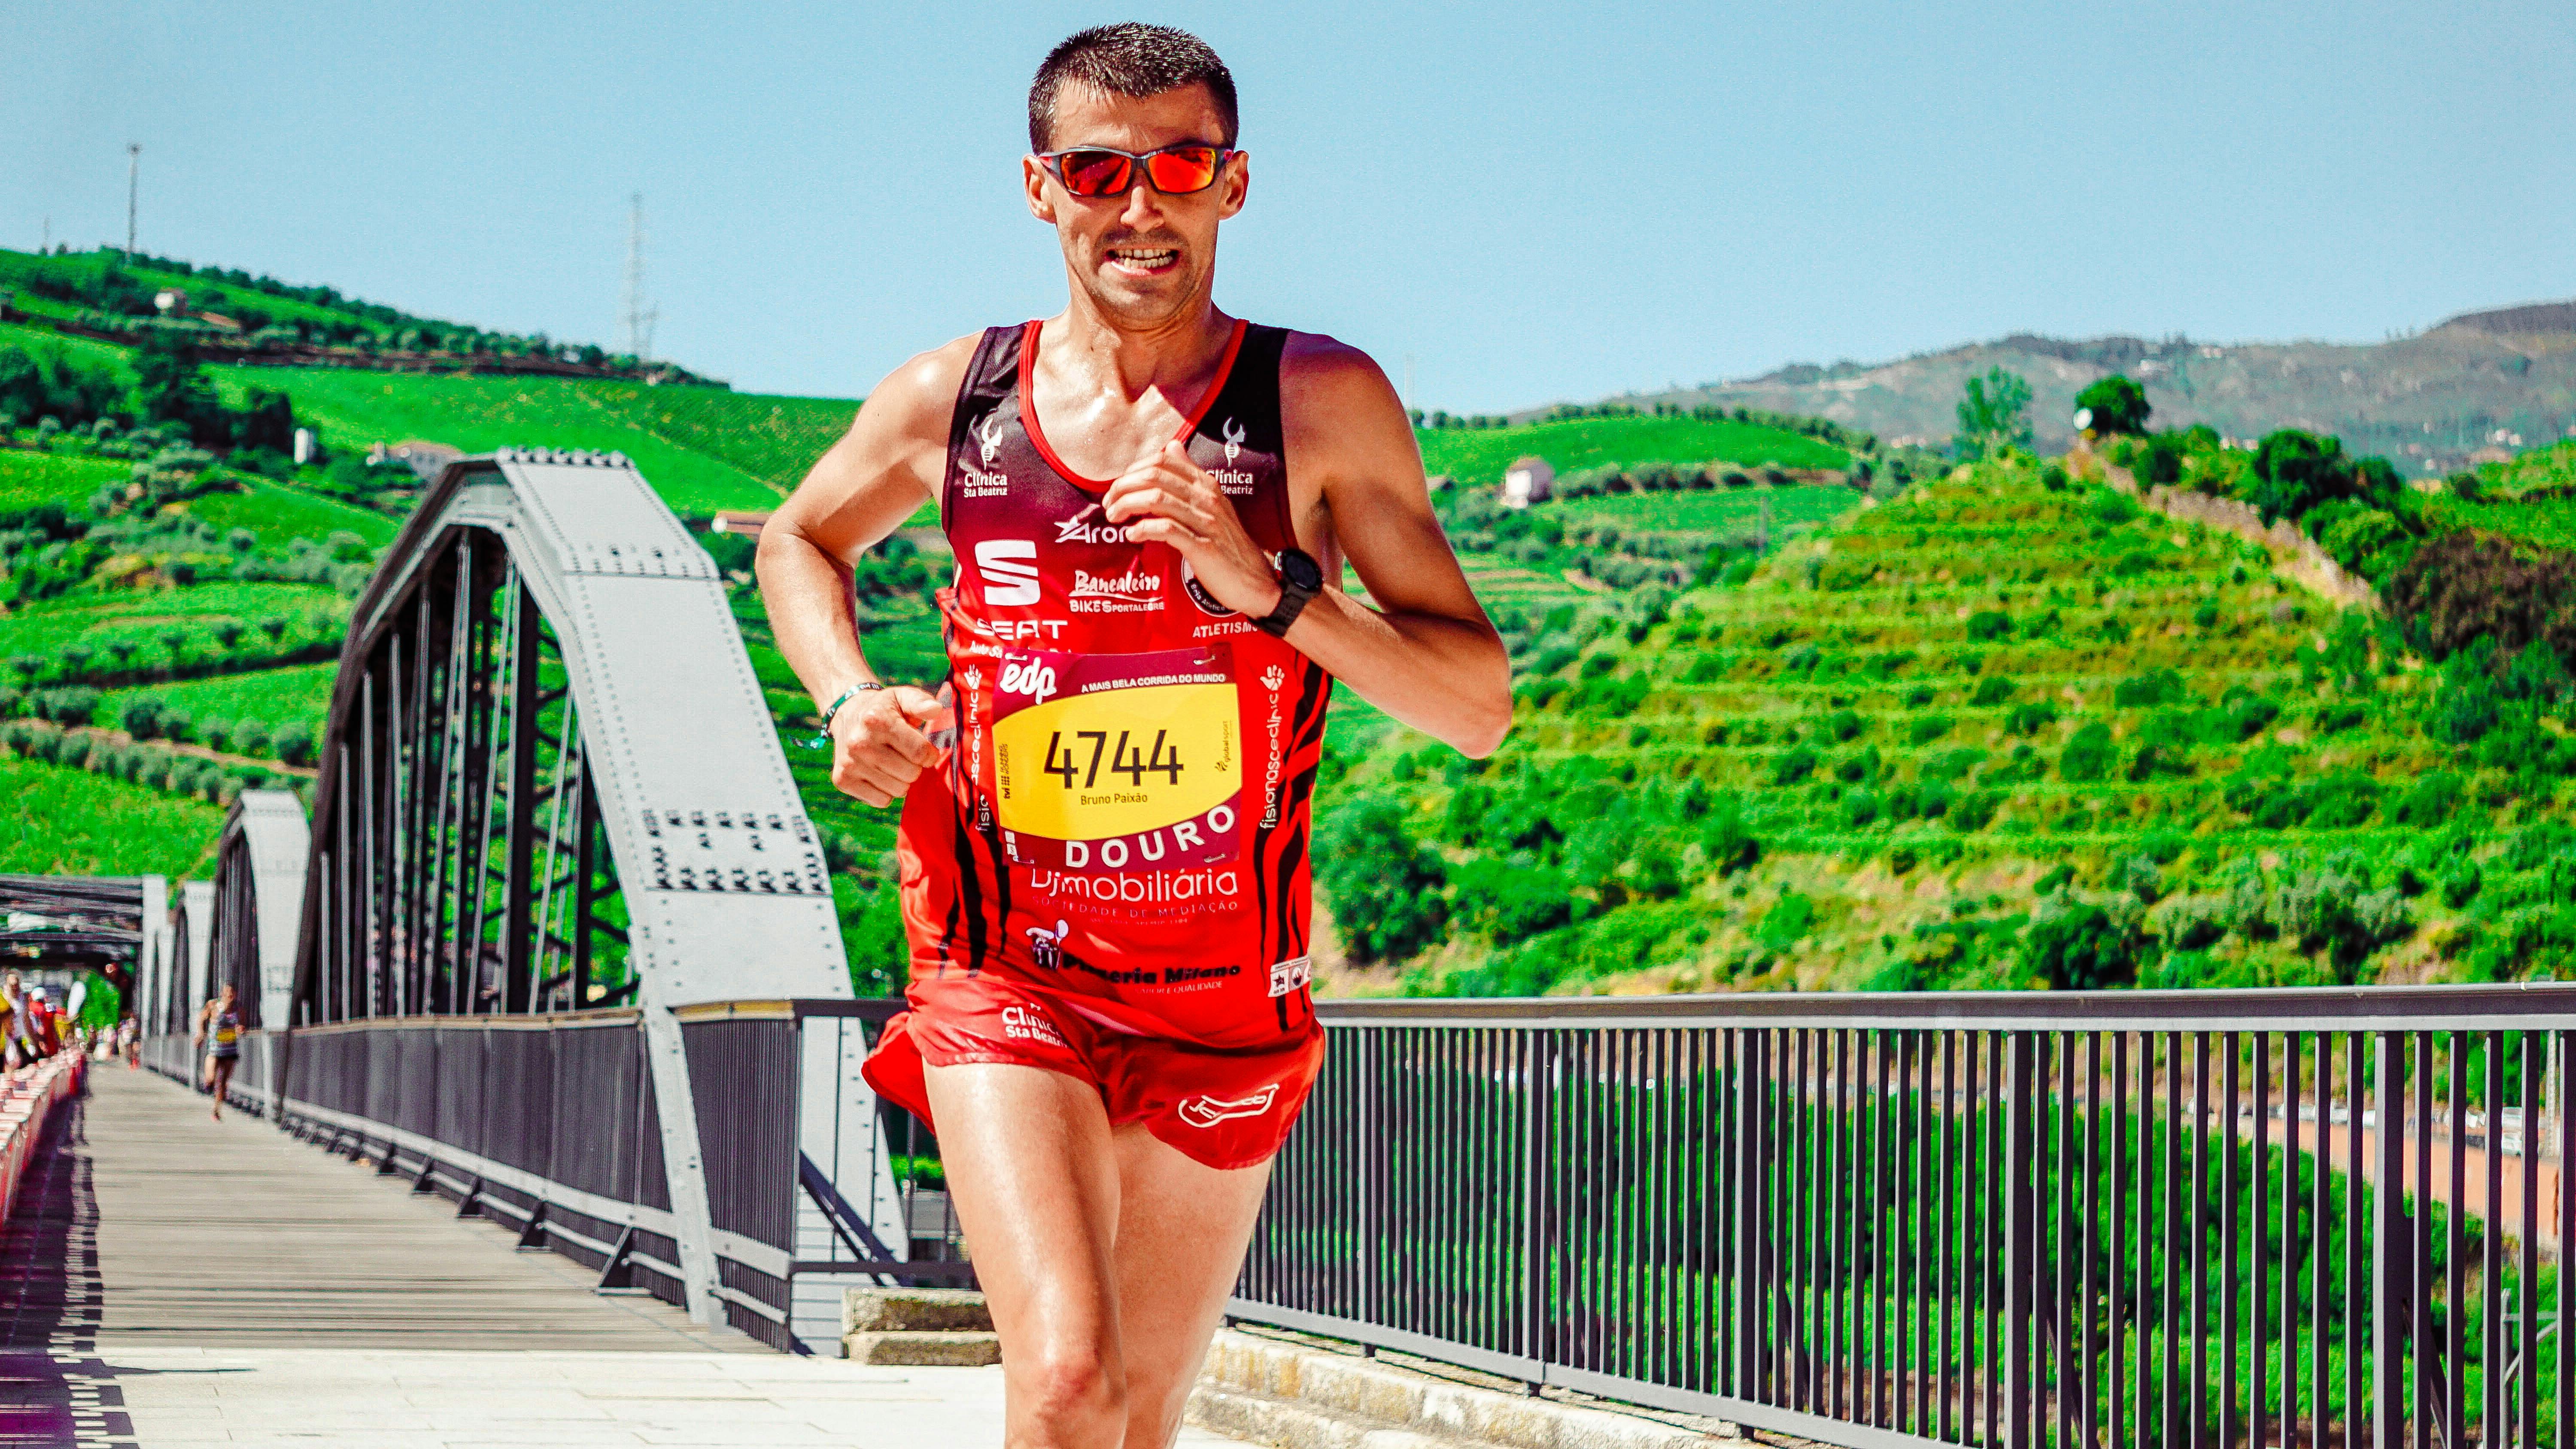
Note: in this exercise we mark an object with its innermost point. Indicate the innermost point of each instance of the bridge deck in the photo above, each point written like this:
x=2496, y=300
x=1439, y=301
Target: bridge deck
x=171, y=1280
x=151, y=1221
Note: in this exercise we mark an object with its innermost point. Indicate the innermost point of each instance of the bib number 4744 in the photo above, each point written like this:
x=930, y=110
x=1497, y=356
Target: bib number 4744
x=1164, y=758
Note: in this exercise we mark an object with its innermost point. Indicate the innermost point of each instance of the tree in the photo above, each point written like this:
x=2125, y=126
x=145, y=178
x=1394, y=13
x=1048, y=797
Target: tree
x=169, y=387
x=1993, y=414
x=1385, y=888
x=228, y=633
x=2113, y=405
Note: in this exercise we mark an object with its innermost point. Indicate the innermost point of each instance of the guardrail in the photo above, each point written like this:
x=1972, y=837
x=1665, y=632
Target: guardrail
x=28, y=1097
x=548, y=1123
x=2297, y=1217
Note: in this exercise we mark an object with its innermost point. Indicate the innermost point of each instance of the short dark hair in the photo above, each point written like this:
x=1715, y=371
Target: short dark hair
x=1129, y=59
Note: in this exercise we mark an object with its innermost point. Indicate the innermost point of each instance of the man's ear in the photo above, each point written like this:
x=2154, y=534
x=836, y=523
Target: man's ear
x=1238, y=185
x=1033, y=180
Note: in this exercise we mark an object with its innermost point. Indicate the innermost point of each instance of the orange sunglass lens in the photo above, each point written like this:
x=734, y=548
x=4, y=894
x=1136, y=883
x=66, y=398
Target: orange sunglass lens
x=1182, y=171
x=1094, y=173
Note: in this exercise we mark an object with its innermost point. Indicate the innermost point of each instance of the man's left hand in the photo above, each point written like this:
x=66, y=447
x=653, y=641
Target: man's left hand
x=1169, y=499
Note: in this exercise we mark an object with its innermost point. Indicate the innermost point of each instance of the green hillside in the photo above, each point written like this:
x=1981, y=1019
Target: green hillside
x=29, y=480
x=1477, y=456
x=703, y=448
x=65, y=822
x=1988, y=734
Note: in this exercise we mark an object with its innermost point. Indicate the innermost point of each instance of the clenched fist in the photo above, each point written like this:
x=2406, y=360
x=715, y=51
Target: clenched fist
x=878, y=744
x=1169, y=499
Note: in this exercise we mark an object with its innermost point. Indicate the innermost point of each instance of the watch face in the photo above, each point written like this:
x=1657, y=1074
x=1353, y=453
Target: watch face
x=1299, y=569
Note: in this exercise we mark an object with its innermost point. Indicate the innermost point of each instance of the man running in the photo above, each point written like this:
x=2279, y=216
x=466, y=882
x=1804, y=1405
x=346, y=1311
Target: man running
x=219, y=1031
x=1103, y=848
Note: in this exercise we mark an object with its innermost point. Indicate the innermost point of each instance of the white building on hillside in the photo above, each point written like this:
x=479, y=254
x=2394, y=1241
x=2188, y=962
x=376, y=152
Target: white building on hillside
x=1527, y=481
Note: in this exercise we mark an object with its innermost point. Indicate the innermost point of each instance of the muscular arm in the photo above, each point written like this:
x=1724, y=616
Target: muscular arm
x=1426, y=653
x=887, y=465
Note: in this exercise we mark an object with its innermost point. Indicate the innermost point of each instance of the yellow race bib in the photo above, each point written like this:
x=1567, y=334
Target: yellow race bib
x=1117, y=762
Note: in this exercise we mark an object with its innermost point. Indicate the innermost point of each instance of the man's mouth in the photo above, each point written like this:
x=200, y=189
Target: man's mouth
x=1144, y=261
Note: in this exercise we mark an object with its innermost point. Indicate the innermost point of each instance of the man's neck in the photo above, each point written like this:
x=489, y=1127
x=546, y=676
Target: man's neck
x=1162, y=356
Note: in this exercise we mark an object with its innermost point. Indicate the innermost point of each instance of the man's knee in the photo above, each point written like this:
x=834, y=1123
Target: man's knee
x=1072, y=1381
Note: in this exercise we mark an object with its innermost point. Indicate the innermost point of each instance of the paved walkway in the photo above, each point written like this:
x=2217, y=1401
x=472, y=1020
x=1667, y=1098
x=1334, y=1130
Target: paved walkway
x=173, y=1280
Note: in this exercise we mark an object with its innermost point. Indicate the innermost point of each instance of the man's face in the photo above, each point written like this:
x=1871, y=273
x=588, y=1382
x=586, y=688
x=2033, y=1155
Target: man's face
x=1144, y=257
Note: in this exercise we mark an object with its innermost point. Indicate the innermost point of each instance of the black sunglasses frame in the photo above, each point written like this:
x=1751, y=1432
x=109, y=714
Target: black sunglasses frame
x=1053, y=161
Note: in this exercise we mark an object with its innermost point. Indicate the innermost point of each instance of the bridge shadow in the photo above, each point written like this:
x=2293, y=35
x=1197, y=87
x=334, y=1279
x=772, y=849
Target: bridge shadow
x=55, y=1390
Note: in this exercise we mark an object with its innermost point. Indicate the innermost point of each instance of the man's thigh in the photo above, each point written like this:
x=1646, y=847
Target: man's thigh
x=1034, y=1177
x=1182, y=1229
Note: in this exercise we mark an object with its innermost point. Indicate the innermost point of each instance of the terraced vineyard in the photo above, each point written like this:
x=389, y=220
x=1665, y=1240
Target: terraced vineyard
x=2547, y=521
x=30, y=480
x=1986, y=735
x=703, y=448
x=1477, y=456
x=66, y=822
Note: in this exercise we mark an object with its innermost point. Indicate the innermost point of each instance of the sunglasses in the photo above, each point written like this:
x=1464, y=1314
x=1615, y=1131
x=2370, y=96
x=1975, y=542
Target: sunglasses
x=1094, y=171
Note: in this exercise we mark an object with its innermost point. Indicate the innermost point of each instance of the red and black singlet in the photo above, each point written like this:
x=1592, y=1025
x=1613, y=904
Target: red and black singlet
x=1122, y=823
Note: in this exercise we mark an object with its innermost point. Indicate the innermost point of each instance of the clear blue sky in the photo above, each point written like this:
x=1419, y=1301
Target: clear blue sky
x=1533, y=202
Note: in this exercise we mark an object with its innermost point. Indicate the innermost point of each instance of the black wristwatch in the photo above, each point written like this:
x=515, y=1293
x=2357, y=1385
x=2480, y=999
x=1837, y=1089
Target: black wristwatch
x=1300, y=579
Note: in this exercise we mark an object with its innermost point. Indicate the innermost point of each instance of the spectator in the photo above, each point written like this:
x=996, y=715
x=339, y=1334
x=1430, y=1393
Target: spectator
x=12, y=1014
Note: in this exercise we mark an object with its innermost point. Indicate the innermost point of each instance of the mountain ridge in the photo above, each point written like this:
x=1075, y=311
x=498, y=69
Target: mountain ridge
x=2433, y=401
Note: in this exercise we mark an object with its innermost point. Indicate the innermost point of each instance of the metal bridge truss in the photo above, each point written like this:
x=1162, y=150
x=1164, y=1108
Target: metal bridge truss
x=560, y=942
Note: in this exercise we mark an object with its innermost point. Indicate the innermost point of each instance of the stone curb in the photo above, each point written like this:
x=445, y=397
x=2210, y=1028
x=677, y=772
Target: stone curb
x=923, y=1350
x=1313, y=1398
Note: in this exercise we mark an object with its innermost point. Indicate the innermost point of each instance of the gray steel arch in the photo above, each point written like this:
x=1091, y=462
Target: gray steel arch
x=192, y=932
x=261, y=858
x=544, y=665
x=152, y=962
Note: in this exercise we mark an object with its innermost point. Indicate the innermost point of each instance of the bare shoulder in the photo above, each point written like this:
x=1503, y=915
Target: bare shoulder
x=917, y=397
x=1321, y=369
x=1336, y=406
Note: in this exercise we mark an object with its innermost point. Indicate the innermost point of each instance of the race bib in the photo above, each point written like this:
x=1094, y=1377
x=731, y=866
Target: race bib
x=1118, y=762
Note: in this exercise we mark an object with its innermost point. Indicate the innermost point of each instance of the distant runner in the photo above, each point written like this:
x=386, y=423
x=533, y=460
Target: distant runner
x=219, y=1031
x=1103, y=847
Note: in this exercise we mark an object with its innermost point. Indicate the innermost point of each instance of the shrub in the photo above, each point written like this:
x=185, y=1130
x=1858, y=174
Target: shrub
x=1990, y=624
x=2429, y=802
x=1385, y=889
x=2076, y=945
x=70, y=705
x=1924, y=729
x=1787, y=922
x=1994, y=689
x=2189, y=923
x=1729, y=845
x=142, y=716
x=293, y=743
x=1975, y=810
x=2089, y=756
x=2155, y=687
x=2031, y=717
x=1507, y=901
x=1793, y=766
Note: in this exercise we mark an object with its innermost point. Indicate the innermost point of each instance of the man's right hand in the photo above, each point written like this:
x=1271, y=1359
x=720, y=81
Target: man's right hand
x=878, y=747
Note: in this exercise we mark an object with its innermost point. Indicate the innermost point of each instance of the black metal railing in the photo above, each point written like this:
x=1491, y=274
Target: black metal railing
x=2274, y=1217
x=550, y=1123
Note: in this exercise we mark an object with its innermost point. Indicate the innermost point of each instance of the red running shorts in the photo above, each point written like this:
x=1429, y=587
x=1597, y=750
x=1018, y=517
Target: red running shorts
x=1225, y=1109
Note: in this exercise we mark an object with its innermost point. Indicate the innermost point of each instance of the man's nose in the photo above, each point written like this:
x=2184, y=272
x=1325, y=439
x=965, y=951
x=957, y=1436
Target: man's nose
x=1144, y=205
